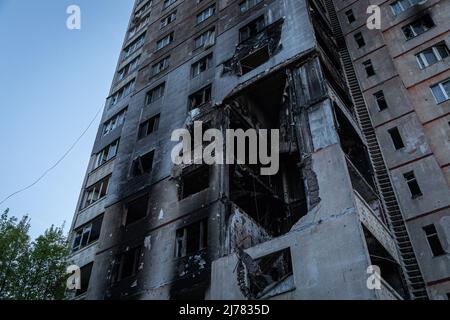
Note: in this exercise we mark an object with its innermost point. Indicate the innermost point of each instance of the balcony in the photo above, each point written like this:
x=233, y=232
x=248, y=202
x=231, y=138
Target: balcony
x=255, y=50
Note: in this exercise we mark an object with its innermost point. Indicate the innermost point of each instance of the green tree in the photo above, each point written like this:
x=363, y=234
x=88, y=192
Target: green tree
x=31, y=270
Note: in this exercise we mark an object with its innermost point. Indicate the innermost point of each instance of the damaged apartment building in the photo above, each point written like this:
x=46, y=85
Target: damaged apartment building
x=146, y=228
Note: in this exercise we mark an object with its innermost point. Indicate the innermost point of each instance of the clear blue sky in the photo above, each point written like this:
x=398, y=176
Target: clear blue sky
x=52, y=82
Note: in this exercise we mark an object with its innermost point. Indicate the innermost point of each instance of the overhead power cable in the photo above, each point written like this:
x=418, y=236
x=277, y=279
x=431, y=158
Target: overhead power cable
x=46, y=172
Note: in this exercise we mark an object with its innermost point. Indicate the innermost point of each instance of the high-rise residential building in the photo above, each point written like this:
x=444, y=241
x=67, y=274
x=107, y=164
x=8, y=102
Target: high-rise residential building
x=403, y=70
x=358, y=208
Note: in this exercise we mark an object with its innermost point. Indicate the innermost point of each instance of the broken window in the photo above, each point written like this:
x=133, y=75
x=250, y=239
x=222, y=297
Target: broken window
x=148, y=127
x=265, y=274
x=106, y=154
x=143, y=164
x=87, y=234
x=246, y=5
x=205, y=14
x=381, y=100
x=191, y=239
x=418, y=27
x=255, y=59
x=441, y=91
x=396, y=138
x=201, y=66
x=359, y=40
x=433, y=240
x=95, y=192
x=161, y=65
x=200, y=98
x=114, y=122
x=121, y=93
x=350, y=16
x=128, y=69
x=137, y=210
x=205, y=40
x=164, y=42
x=168, y=20
x=370, y=71
x=156, y=93
x=432, y=55
x=413, y=185
x=85, y=277
x=252, y=29
x=127, y=264
x=195, y=181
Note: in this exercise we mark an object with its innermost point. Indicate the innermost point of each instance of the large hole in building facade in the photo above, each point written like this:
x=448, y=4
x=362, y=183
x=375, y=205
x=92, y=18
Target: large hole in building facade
x=275, y=202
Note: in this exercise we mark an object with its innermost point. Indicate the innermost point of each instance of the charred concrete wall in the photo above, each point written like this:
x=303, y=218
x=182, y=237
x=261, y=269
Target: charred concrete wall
x=159, y=240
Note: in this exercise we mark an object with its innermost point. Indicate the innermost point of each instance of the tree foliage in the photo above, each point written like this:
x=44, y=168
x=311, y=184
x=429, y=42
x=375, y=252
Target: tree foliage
x=31, y=270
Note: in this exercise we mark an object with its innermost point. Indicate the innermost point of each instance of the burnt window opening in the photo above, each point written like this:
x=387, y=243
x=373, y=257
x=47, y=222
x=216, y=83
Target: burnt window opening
x=350, y=16
x=396, y=138
x=87, y=234
x=253, y=37
x=195, y=182
x=148, y=127
x=368, y=66
x=418, y=27
x=413, y=185
x=275, y=203
x=85, y=277
x=127, y=264
x=261, y=200
x=191, y=239
x=433, y=240
x=252, y=29
x=137, y=210
x=381, y=100
x=255, y=59
x=199, y=98
x=389, y=268
x=270, y=271
x=359, y=40
x=143, y=164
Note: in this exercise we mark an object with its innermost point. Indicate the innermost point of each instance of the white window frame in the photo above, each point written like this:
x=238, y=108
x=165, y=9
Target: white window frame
x=421, y=57
x=440, y=85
